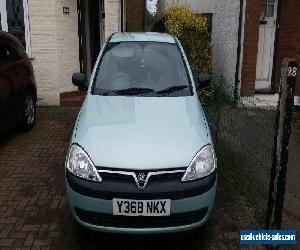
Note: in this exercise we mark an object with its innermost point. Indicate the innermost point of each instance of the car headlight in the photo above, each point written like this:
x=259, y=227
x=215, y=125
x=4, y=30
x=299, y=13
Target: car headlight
x=203, y=164
x=80, y=164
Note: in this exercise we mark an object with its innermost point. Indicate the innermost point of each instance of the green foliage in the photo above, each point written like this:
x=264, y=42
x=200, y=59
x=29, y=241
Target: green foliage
x=206, y=95
x=192, y=31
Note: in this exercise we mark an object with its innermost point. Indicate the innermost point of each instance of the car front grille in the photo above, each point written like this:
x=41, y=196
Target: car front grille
x=129, y=178
x=141, y=178
x=109, y=220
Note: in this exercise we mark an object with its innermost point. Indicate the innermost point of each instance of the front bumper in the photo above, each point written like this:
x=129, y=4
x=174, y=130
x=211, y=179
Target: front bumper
x=187, y=212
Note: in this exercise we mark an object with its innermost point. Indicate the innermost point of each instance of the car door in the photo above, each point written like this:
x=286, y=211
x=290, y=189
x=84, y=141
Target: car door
x=5, y=85
x=9, y=101
x=20, y=77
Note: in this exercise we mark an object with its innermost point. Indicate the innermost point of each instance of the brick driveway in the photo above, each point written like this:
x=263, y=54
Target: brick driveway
x=34, y=212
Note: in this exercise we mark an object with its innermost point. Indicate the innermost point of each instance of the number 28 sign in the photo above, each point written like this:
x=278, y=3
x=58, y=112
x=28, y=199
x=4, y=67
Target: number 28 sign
x=292, y=71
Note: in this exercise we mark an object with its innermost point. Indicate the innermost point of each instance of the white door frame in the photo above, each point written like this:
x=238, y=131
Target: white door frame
x=87, y=33
x=4, y=23
x=266, y=50
x=27, y=27
x=3, y=15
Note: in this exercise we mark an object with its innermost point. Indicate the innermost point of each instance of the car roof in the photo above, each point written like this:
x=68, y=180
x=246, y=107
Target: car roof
x=6, y=34
x=142, y=37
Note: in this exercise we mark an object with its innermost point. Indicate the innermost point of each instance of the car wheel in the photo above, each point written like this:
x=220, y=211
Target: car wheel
x=29, y=112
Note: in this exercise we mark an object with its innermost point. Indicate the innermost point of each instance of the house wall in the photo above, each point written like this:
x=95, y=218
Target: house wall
x=198, y=6
x=289, y=38
x=67, y=44
x=225, y=27
x=112, y=16
x=287, y=45
x=54, y=47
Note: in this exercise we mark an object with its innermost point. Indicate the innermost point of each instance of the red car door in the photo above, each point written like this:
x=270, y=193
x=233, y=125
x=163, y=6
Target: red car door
x=5, y=85
x=20, y=78
x=5, y=94
x=10, y=85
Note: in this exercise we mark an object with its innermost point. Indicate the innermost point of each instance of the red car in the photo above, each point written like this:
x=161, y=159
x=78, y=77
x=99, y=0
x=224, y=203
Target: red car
x=17, y=86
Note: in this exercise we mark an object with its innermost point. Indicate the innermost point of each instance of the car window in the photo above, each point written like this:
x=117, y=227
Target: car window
x=9, y=52
x=151, y=68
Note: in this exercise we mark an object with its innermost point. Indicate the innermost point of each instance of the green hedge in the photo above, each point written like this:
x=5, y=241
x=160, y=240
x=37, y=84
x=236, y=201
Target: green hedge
x=192, y=31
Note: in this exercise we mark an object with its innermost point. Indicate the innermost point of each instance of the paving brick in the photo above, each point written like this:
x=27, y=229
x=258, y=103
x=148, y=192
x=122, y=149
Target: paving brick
x=20, y=235
x=55, y=204
x=6, y=242
x=36, y=215
x=31, y=227
x=5, y=231
x=42, y=242
x=29, y=240
x=8, y=220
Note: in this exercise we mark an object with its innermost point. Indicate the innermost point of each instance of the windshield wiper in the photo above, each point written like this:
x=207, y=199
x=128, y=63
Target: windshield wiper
x=172, y=89
x=134, y=91
x=129, y=91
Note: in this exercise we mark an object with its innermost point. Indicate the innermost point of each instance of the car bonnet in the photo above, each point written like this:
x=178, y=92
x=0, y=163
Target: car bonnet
x=141, y=132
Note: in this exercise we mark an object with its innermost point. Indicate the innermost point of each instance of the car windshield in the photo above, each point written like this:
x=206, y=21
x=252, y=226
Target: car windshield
x=142, y=69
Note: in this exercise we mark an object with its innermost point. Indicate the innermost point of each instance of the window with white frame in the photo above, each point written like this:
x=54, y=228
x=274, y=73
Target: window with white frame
x=14, y=19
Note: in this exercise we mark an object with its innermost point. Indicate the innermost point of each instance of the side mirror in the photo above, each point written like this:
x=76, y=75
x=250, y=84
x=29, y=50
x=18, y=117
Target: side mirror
x=203, y=81
x=78, y=80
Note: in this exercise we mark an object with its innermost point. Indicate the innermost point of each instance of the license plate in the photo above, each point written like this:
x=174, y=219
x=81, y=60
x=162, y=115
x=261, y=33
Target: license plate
x=141, y=207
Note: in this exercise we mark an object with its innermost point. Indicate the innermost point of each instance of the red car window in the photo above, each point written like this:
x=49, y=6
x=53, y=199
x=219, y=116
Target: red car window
x=10, y=53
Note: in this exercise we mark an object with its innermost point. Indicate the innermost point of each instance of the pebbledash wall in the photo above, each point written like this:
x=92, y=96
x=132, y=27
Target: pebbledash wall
x=112, y=16
x=225, y=26
x=55, y=45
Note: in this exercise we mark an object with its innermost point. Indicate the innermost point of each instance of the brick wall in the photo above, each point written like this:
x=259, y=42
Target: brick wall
x=251, y=34
x=288, y=42
x=289, y=37
x=135, y=12
x=54, y=46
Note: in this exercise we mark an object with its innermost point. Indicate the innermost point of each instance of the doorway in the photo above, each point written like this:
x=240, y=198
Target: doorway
x=14, y=19
x=91, y=20
x=266, y=44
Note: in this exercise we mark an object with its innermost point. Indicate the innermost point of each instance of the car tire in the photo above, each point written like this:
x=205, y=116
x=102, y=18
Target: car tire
x=29, y=112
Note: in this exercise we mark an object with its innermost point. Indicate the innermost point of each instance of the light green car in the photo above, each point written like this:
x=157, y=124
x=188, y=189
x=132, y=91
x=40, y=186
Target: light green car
x=141, y=158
